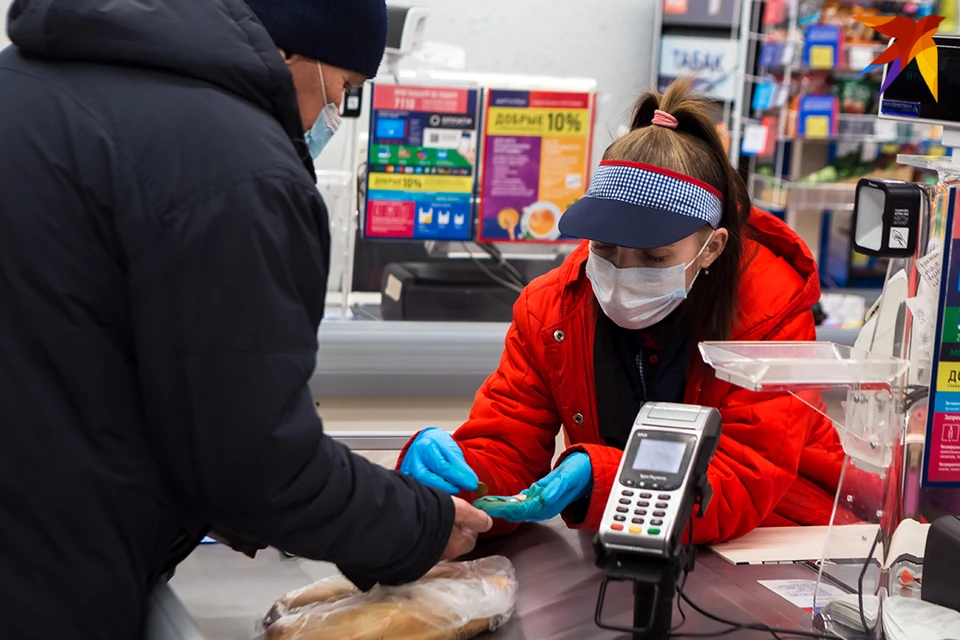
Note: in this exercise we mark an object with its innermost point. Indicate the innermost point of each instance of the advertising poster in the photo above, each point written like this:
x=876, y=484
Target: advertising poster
x=421, y=169
x=712, y=61
x=536, y=153
x=941, y=465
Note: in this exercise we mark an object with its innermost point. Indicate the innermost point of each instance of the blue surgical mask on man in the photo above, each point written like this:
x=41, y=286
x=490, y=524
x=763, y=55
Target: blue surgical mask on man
x=327, y=124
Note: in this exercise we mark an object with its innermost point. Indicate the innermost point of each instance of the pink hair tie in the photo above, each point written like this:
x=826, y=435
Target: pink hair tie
x=664, y=119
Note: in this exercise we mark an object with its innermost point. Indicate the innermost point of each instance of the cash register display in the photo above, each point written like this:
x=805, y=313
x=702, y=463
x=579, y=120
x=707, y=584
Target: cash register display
x=662, y=456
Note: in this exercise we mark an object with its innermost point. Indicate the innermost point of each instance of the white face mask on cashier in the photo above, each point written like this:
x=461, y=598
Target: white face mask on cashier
x=639, y=297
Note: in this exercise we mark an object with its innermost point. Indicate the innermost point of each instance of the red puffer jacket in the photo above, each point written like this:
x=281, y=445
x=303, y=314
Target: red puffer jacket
x=778, y=462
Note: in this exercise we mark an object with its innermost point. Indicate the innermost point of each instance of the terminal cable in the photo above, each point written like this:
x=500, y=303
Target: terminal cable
x=513, y=286
x=494, y=252
x=739, y=626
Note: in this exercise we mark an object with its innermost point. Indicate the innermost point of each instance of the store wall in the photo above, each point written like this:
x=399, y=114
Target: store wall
x=612, y=42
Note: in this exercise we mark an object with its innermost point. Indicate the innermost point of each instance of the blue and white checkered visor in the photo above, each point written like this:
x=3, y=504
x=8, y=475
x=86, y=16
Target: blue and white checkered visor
x=630, y=204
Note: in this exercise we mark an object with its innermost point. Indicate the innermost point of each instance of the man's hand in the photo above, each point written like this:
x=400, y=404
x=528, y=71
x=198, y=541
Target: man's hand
x=467, y=523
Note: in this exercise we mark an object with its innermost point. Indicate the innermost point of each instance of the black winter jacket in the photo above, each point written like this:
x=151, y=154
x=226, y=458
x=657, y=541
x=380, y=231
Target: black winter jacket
x=163, y=263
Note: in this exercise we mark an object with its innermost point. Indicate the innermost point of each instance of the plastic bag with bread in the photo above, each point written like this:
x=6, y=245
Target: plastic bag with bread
x=453, y=601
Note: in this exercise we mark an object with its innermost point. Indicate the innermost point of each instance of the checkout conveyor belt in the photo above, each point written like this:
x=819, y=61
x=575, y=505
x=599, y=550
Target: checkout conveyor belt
x=363, y=358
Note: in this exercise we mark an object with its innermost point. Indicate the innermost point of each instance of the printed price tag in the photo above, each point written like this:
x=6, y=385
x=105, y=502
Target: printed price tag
x=930, y=267
x=924, y=311
x=754, y=139
x=886, y=130
x=860, y=57
x=788, y=52
x=783, y=94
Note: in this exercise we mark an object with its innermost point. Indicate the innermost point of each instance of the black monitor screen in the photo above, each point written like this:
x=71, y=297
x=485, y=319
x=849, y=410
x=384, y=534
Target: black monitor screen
x=909, y=96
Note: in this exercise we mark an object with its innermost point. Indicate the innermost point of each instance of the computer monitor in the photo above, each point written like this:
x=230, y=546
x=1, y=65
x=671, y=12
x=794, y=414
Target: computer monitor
x=909, y=99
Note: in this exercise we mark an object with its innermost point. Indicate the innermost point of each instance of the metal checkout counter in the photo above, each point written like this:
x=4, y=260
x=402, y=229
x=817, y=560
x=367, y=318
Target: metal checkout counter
x=901, y=433
x=227, y=593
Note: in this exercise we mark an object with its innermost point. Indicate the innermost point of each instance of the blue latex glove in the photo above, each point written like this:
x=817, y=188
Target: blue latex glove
x=546, y=498
x=435, y=459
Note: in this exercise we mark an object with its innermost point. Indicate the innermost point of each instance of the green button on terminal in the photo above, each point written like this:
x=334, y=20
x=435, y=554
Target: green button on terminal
x=653, y=532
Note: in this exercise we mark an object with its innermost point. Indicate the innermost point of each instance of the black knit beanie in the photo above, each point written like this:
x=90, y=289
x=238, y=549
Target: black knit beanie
x=350, y=34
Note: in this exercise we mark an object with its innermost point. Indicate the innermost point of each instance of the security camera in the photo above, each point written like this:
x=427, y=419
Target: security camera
x=405, y=30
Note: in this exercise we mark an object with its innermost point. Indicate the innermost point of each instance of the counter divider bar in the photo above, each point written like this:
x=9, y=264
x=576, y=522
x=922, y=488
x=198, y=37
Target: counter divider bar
x=372, y=440
x=364, y=359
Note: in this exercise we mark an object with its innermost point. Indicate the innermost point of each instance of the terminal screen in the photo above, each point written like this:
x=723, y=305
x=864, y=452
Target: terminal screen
x=659, y=456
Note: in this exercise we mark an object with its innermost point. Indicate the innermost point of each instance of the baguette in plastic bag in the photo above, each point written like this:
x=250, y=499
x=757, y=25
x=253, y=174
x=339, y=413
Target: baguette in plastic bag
x=453, y=601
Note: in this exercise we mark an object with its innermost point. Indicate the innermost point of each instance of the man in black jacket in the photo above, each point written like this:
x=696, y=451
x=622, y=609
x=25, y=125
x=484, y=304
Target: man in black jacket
x=163, y=264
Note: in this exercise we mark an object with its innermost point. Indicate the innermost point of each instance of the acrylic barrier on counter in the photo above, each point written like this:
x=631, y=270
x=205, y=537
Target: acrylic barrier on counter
x=941, y=466
x=536, y=162
x=421, y=167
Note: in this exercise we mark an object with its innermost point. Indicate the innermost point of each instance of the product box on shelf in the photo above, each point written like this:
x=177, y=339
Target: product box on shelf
x=822, y=46
x=817, y=116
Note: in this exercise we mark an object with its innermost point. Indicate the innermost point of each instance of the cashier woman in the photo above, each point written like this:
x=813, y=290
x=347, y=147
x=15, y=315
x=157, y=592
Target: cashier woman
x=674, y=255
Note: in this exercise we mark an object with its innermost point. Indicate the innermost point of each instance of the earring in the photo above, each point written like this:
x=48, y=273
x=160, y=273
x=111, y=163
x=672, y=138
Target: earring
x=706, y=272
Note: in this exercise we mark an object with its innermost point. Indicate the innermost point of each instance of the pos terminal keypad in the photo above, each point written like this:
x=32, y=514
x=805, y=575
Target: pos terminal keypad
x=654, y=529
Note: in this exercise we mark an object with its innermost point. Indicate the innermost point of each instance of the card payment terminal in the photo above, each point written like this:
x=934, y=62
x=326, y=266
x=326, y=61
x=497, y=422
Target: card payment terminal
x=662, y=471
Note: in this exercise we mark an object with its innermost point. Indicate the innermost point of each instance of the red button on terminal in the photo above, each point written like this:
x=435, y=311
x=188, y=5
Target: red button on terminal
x=617, y=527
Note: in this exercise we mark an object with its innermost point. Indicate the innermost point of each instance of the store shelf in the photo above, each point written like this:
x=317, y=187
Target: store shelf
x=769, y=207
x=946, y=164
x=781, y=195
x=821, y=197
x=858, y=58
x=846, y=154
x=869, y=128
x=370, y=359
x=835, y=71
x=361, y=358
